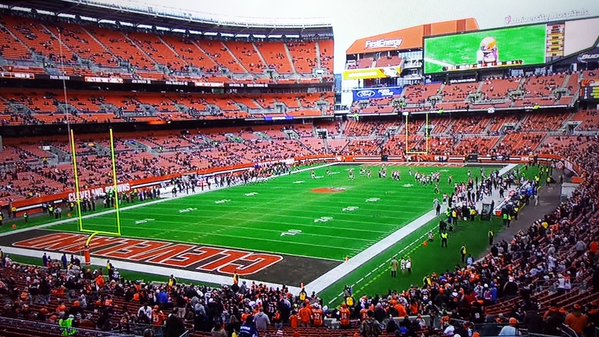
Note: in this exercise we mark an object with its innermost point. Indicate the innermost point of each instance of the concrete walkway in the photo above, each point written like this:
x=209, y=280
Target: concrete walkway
x=549, y=199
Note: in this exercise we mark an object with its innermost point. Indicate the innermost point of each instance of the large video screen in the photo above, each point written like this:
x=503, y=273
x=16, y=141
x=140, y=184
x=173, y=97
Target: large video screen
x=505, y=47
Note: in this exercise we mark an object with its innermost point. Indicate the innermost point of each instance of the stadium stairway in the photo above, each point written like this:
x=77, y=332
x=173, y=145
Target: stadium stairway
x=228, y=50
x=290, y=58
x=318, y=58
x=260, y=56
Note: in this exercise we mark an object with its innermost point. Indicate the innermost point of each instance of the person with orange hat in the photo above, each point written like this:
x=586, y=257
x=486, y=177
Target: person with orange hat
x=511, y=329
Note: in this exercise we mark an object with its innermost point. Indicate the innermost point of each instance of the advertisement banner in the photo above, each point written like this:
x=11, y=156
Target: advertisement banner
x=27, y=76
x=362, y=74
x=373, y=93
x=589, y=56
x=103, y=79
x=99, y=191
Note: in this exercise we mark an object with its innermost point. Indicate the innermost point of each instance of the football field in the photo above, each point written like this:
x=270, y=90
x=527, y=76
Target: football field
x=328, y=217
x=289, y=230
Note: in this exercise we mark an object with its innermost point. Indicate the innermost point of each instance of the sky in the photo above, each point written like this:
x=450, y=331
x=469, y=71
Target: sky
x=354, y=19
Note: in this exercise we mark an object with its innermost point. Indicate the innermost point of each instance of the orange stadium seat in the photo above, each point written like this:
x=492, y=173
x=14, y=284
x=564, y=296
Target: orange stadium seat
x=304, y=56
x=276, y=56
x=221, y=55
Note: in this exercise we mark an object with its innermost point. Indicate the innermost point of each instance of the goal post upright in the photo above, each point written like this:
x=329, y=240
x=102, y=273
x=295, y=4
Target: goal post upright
x=115, y=184
x=93, y=233
x=76, y=176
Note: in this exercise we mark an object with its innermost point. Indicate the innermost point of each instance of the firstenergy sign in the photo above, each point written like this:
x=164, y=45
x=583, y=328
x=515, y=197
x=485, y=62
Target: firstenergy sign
x=382, y=43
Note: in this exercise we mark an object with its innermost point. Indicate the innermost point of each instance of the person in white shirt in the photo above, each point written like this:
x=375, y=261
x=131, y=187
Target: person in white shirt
x=511, y=329
x=145, y=310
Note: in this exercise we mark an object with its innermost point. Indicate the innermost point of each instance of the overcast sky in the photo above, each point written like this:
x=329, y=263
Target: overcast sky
x=354, y=19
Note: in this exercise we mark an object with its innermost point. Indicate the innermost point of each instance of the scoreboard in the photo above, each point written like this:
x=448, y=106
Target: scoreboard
x=555, y=40
x=590, y=93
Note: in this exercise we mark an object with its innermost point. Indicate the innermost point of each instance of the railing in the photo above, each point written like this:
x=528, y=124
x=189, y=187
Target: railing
x=33, y=328
x=493, y=329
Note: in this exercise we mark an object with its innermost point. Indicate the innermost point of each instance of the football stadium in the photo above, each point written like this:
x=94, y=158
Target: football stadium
x=170, y=172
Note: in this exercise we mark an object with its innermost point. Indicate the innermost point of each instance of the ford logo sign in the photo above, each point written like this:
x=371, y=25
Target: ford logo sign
x=365, y=93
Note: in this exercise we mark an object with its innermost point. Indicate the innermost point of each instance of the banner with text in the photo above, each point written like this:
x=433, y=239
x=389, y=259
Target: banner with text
x=362, y=74
x=373, y=93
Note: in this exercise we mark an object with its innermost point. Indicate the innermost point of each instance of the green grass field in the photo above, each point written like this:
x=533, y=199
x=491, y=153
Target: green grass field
x=254, y=216
x=517, y=43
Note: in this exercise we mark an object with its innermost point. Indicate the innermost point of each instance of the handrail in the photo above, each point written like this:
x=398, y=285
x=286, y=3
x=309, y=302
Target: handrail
x=45, y=328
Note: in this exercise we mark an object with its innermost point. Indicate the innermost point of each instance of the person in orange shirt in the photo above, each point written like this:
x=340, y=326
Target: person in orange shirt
x=305, y=315
x=157, y=320
x=344, y=317
x=245, y=315
x=108, y=301
x=61, y=308
x=576, y=320
x=414, y=308
x=294, y=321
x=317, y=316
x=100, y=282
x=363, y=314
x=401, y=309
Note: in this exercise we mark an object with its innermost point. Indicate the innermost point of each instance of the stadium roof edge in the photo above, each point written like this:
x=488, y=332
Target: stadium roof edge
x=171, y=18
x=409, y=38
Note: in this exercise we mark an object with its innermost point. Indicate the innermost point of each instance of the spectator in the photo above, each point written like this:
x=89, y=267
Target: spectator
x=174, y=326
x=261, y=321
x=218, y=331
x=248, y=329
x=576, y=320
x=370, y=327
x=511, y=329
